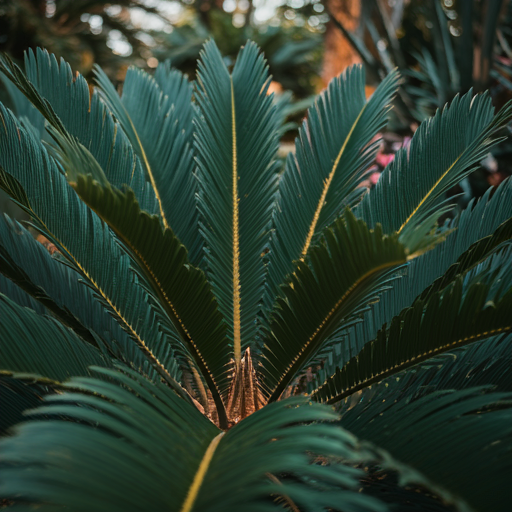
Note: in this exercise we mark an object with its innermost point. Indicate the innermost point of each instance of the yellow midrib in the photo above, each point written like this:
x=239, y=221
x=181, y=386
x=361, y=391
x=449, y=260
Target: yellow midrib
x=139, y=340
x=429, y=194
x=411, y=361
x=200, y=474
x=331, y=313
x=237, y=350
x=145, y=264
x=327, y=184
x=148, y=168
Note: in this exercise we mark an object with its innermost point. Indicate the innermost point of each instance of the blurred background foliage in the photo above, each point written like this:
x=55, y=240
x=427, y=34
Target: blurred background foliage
x=441, y=47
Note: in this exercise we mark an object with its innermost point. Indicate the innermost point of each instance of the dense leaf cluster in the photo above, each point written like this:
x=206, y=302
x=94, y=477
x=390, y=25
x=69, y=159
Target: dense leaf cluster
x=208, y=300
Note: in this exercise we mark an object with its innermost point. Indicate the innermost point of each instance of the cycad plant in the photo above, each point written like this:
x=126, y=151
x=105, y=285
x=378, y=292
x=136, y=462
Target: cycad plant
x=221, y=331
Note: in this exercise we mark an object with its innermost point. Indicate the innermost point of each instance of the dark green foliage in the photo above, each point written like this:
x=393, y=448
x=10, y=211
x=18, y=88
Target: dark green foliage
x=197, y=279
x=426, y=329
x=335, y=145
x=318, y=296
x=428, y=418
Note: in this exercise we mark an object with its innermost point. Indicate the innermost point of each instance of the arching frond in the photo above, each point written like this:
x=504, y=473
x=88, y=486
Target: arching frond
x=449, y=420
x=472, y=307
x=339, y=278
x=29, y=174
x=140, y=430
x=181, y=288
x=409, y=196
x=52, y=88
x=61, y=290
x=158, y=122
x=332, y=154
x=478, y=221
x=236, y=144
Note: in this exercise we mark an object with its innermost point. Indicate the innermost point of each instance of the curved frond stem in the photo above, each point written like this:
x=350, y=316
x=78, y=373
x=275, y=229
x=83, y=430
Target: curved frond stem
x=307, y=349
x=475, y=305
x=327, y=184
x=159, y=367
x=409, y=198
x=148, y=169
x=339, y=278
x=10, y=183
x=414, y=360
x=237, y=351
x=201, y=472
x=205, y=340
x=429, y=193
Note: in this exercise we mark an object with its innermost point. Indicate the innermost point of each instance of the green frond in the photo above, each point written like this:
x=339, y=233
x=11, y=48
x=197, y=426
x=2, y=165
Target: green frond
x=61, y=290
x=338, y=278
x=31, y=343
x=281, y=443
x=236, y=145
x=23, y=108
x=42, y=189
x=448, y=421
x=484, y=363
x=20, y=392
x=140, y=430
x=181, y=288
x=158, y=122
x=137, y=429
x=174, y=84
x=472, y=307
x=332, y=154
x=19, y=296
x=480, y=220
x=53, y=88
x=409, y=196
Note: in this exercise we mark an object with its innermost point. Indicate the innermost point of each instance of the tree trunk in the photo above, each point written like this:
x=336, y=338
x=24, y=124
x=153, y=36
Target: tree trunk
x=338, y=52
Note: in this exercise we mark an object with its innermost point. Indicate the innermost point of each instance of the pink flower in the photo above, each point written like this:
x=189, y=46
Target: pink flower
x=384, y=159
x=374, y=177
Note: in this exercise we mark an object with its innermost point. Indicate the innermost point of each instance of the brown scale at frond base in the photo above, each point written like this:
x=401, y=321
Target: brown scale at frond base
x=244, y=396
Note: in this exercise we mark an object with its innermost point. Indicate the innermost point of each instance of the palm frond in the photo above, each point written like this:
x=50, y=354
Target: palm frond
x=141, y=429
x=177, y=87
x=455, y=401
x=480, y=220
x=60, y=289
x=338, y=278
x=181, y=288
x=158, y=123
x=31, y=343
x=332, y=154
x=20, y=392
x=236, y=145
x=483, y=363
x=23, y=108
x=51, y=87
x=32, y=177
x=408, y=198
x=19, y=296
x=472, y=307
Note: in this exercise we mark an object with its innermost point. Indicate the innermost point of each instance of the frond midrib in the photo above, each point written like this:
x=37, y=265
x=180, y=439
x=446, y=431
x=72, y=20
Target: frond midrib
x=411, y=362
x=237, y=342
x=308, y=347
x=327, y=184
